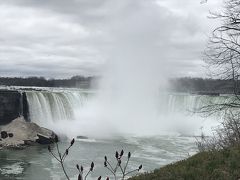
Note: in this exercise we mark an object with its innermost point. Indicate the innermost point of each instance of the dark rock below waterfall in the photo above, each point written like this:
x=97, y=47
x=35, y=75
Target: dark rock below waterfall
x=21, y=133
x=42, y=139
x=82, y=137
x=4, y=134
x=10, y=135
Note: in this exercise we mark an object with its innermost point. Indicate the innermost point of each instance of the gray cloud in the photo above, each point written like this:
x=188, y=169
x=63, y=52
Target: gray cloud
x=59, y=38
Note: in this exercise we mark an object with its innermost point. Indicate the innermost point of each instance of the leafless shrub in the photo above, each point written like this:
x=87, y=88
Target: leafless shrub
x=80, y=170
x=224, y=136
x=61, y=157
x=119, y=165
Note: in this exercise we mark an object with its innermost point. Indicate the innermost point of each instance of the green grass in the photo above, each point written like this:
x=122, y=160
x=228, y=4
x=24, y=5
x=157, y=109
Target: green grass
x=219, y=165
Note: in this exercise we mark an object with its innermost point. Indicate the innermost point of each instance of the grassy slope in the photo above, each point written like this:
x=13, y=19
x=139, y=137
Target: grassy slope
x=219, y=165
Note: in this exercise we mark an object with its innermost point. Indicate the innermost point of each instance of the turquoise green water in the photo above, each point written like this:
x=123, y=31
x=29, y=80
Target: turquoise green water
x=35, y=163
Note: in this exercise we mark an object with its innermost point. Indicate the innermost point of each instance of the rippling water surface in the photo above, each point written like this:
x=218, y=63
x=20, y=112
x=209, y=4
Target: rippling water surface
x=35, y=163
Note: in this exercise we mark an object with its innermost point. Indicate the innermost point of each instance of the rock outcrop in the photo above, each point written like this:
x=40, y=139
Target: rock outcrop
x=13, y=103
x=20, y=133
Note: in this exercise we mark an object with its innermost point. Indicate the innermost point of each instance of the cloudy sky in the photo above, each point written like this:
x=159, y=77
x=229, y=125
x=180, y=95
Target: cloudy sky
x=61, y=38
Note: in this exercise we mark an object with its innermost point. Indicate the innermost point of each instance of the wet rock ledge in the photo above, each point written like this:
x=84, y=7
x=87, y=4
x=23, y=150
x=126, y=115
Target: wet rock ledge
x=19, y=134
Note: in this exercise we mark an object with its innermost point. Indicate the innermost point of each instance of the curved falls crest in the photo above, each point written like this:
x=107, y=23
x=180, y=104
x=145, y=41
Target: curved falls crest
x=49, y=108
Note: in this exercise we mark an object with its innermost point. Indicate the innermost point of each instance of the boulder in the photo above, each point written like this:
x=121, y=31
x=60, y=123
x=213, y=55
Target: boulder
x=4, y=134
x=10, y=135
x=82, y=137
x=24, y=133
x=42, y=139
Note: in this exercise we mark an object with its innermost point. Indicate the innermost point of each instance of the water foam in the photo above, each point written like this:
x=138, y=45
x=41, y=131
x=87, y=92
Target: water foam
x=76, y=113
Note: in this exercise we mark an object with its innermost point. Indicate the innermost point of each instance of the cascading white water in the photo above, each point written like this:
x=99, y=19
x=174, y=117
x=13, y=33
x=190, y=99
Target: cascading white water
x=47, y=107
x=59, y=110
x=186, y=102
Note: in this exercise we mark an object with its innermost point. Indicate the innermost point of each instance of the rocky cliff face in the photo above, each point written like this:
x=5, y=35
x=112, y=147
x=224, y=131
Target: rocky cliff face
x=12, y=105
x=15, y=129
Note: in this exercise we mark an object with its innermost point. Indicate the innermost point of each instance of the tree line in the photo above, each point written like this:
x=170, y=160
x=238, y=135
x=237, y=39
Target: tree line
x=195, y=85
x=75, y=81
x=184, y=84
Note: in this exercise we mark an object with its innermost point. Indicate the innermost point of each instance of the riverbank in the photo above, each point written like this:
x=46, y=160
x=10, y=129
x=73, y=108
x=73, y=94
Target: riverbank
x=221, y=165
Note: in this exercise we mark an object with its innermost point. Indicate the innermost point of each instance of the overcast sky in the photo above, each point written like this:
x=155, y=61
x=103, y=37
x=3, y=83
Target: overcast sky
x=62, y=38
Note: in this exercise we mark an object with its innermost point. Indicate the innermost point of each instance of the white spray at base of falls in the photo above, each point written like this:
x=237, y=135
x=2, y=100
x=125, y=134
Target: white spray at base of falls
x=74, y=113
x=67, y=112
x=53, y=109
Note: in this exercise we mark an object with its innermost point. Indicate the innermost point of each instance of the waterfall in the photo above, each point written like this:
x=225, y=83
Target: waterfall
x=190, y=102
x=47, y=107
x=73, y=109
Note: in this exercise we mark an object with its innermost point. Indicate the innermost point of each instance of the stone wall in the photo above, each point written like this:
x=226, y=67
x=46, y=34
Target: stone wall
x=13, y=104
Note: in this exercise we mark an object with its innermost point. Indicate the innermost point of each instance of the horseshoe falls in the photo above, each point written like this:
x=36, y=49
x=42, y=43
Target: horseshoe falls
x=156, y=132
x=76, y=112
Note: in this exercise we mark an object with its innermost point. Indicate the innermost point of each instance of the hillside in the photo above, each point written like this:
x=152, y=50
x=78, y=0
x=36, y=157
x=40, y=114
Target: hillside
x=221, y=165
